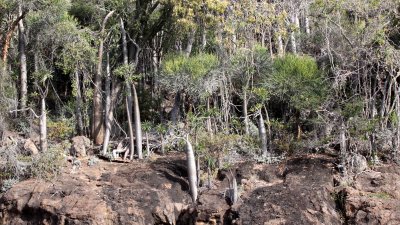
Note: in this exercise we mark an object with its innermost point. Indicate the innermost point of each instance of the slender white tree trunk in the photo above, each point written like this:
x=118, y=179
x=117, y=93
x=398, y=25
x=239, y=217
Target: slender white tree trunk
x=138, y=125
x=43, y=125
x=342, y=138
x=190, y=41
x=281, y=51
x=245, y=114
x=22, y=60
x=108, y=116
x=262, y=133
x=98, y=125
x=78, y=105
x=191, y=166
x=128, y=90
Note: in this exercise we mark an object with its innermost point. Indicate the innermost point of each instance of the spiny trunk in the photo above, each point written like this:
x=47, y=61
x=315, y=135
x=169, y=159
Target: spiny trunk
x=108, y=116
x=191, y=165
x=78, y=109
x=22, y=60
x=128, y=89
x=98, y=125
x=138, y=126
x=43, y=125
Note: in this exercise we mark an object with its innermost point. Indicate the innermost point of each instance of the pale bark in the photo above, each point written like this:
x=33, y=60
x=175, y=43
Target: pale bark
x=78, y=103
x=138, y=126
x=263, y=134
x=43, y=125
x=190, y=41
x=109, y=112
x=147, y=145
x=22, y=61
x=128, y=90
x=203, y=38
x=342, y=139
x=245, y=114
x=280, y=46
x=208, y=122
x=191, y=166
x=293, y=43
x=307, y=25
x=98, y=125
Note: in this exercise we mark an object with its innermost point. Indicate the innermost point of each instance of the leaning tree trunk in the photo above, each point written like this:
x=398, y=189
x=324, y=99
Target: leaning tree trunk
x=22, y=60
x=98, y=126
x=138, y=126
x=109, y=112
x=191, y=166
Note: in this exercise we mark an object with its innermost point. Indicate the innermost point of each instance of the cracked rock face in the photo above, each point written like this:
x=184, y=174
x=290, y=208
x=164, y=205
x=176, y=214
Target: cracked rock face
x=108, y=193
x=297, y=191
x=374, y=198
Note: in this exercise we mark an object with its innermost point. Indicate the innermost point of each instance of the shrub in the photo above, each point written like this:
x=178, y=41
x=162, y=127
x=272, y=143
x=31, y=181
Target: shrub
x=47, y=165
x=61, y=129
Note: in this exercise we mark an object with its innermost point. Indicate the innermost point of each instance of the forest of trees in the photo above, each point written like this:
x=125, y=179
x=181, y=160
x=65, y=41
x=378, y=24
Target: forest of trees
x=265, y=77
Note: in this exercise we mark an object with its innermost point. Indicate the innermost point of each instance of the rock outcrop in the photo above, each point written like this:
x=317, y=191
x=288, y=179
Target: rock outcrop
x=298, y=191
x=374, y=197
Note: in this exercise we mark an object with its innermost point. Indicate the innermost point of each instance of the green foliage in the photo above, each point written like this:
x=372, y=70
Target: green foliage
x=127, y=72
x=298, y=81
x=352, y=108
x=195, y=67
x=60, y=129
x=47, y=165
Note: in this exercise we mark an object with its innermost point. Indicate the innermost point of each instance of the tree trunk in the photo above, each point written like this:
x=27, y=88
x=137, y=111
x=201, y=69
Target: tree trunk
x=128, y=89
x=147, y=145
x=203, y=38
x=209, y=125
x=78, y=108
x=98, y=125
x=176, y=111
x=191, y=165
x=342, y=138
x=245, y=114
x=281, y=51
x=43, y=125
x=109, y=112
x=293, y=44
x=138, y=126
x=307, y=24
x=22, y=59
x=271, y=52
x=190, y=42
x=263, y=134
